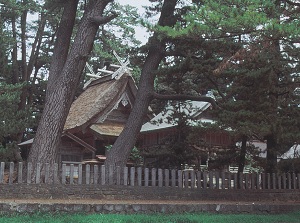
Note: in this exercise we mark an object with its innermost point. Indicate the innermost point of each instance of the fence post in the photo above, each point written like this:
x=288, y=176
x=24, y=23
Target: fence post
x=185, y=182
x=110, y=175
x=47, y=170
x=173, y=177
x=55, y=173
x=279, y=182
x=252, y=181
x=247, y=181
x=139, y=176
x=153, y=177
x=132, y=176
x=273, y=181
x=223, y=180
x=125, y=176
x=235, y=181
x=268, y=181
x=72, y=173
x=199, y=179
x=167, y=177
x=229, y=174
x=258, y=179
x=80, y=174
x=38, y=173
x=240, y=181
x=146, y=172
x=193, y=182
x=211, y=179
x=284, y=180
x=96, y=173
x=87, y=174
x=160, y=178
x=294, y=180
x=2, y=167
x=103, y=175
x=179, y=178
x=20, y=173
x=118, y=175
x=204, y=180
x=217, y=175
x=29, y=171
x=289, y=181
x=63, y=174
x=11, y=172
x=263, y=178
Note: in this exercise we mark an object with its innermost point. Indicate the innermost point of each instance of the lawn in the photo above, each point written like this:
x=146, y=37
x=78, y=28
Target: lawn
x=140, y=218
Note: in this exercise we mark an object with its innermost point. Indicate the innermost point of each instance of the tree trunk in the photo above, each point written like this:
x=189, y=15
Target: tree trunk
x=271, y=166
x=25, y=75
x=120, y=151
x=242, y=159
x=36, y=44
x=63, y=86
x=14, y=53
x=62, y=44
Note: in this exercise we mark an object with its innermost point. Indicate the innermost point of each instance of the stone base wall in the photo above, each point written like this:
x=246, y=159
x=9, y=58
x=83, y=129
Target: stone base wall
x=147, y=208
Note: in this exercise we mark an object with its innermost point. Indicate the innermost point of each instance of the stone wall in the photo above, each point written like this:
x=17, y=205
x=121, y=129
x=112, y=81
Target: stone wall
x=130, y=208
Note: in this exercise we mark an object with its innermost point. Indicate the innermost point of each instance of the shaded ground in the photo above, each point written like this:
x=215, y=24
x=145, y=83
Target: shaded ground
x=94, y=201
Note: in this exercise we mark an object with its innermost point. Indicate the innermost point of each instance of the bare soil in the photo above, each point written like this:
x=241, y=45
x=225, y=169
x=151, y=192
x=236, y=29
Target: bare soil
x=94, y=201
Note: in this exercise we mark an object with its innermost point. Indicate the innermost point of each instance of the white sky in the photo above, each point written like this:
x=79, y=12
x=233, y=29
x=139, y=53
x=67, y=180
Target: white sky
x=141, y=33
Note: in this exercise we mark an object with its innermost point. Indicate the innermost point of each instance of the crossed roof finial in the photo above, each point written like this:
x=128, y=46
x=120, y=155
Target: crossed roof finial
x=122, y=68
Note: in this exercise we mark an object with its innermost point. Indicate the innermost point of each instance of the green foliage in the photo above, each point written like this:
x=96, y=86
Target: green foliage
x=118, y=36
x=12, y=120
x=289, y=166
x=9, y=153
x=245, y=52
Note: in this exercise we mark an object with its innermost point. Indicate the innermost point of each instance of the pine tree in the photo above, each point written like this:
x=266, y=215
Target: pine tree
x=246, y=52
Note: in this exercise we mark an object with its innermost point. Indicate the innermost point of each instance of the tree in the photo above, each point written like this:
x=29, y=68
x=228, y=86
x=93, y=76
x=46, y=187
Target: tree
x=260, y=71
x=230, y=40
x=66, y=68
x=16, y=115
x=12, y=120
x=156, y=52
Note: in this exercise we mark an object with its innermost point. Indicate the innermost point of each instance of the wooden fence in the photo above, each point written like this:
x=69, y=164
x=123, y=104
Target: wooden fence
x=11, y=173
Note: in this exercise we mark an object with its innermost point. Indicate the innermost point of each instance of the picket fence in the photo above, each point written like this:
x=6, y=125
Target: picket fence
x=81, y=174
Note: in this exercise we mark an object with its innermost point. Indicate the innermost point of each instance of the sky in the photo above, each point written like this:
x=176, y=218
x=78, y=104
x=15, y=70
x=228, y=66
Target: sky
x=141, y=33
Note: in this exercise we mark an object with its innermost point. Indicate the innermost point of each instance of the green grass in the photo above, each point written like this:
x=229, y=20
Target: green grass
x=159, y=218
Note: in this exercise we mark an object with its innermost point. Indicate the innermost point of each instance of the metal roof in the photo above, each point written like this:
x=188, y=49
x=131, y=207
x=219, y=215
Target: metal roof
x=163, y=120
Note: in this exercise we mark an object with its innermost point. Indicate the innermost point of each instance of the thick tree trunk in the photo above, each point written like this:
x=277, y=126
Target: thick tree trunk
x=120, y=151
x=63, y=87
x=62, y=44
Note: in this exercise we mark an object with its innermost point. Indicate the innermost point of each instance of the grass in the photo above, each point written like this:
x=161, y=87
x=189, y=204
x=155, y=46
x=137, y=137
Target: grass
x=159, y=218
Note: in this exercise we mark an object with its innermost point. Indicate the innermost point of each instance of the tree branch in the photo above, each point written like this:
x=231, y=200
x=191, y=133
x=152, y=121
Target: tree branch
x=100, y=20
x=292, y=3
x=182, y=97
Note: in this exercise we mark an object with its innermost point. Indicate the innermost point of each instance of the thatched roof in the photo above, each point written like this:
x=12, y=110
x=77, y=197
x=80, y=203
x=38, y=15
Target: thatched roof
x=108, y=129
x=99, y=98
